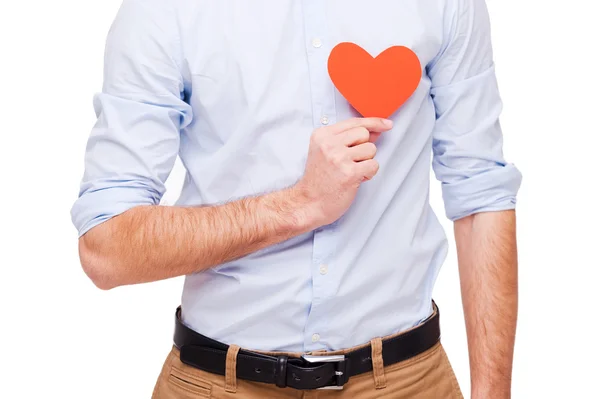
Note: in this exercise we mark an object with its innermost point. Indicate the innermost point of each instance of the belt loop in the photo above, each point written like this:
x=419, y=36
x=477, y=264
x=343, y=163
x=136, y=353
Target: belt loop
x=230, y=369
x=377, y=359
x=281, y=372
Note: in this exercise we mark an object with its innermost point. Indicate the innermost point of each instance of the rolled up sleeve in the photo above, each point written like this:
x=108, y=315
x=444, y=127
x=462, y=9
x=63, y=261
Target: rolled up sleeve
x=467, y=139
x=140, y=113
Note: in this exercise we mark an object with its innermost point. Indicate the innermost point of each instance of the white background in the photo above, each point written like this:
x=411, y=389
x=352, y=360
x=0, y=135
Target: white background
x=63, y=338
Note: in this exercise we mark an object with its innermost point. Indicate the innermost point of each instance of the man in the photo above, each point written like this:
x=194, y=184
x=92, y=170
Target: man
x=303, y=229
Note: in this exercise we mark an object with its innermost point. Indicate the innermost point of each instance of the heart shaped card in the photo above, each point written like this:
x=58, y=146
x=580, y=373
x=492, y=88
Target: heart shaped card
x=375, y=87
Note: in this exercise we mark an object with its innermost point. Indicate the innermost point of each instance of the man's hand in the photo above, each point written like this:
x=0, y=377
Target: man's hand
x=340, y=158
x=149, y=243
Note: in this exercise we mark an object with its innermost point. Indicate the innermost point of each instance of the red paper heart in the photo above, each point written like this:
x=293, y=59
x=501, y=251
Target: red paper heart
x=376, y=87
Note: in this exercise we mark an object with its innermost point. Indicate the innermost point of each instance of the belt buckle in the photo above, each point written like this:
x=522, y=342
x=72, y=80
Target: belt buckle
x=339, y=374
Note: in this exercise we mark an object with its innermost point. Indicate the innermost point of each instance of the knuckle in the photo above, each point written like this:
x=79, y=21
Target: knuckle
x=355, y=123
x=328, y=148
x=371, y=148
x=374, y=166
x=337, y=158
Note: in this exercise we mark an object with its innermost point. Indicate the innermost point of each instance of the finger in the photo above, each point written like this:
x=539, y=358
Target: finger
x=371, y=124
x=362, y=152
x=355, y=136
x=367, y=169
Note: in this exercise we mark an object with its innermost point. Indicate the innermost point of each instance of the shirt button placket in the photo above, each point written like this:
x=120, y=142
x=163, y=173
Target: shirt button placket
x=323, y=108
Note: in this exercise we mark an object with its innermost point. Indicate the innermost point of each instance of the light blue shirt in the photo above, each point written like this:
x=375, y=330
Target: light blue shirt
x=236, y=88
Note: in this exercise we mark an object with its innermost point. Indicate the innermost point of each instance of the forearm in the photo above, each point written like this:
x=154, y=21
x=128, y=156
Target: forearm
x=151, y=243
x=487, y=257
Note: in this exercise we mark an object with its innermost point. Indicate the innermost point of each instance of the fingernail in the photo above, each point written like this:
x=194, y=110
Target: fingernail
x=387, y=122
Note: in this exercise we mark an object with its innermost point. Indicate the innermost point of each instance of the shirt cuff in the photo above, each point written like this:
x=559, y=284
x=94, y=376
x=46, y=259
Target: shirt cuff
x=494, y=190
x=99, y=205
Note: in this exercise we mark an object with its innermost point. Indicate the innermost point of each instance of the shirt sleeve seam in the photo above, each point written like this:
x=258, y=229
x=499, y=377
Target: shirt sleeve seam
x=449, y=33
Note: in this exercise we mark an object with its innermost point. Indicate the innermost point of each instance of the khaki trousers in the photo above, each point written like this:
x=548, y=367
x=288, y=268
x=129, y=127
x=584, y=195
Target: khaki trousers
x=425, y=376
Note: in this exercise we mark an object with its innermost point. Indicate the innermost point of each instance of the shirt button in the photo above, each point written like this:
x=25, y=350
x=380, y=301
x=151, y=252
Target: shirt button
x=323, y=269
x=316, y=42
x=316, y=338
x=325, y=120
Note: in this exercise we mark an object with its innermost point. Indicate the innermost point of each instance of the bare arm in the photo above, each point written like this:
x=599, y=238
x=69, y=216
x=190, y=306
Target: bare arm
x=487, y=257
x=149, y=243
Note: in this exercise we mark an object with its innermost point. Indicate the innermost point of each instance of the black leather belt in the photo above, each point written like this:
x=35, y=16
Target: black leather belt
x=307, y=372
